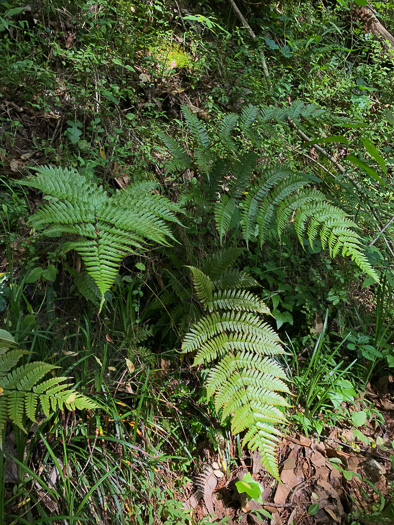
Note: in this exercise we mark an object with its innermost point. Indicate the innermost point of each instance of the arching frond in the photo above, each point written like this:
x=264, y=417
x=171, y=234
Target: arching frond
x=246, y=380
x=106, y=228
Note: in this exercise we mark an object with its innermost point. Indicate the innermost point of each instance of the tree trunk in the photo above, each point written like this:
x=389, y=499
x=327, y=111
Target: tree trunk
x=373, y=25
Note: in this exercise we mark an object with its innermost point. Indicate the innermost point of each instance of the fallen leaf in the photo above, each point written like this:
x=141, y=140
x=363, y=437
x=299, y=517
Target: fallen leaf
x=318, y=460
x=330, y=511
x=130, y=365
x=207, y=483
x=289, y=478
x=15, y=165
x=281, y=494
x=290, y=463
x=276, y=519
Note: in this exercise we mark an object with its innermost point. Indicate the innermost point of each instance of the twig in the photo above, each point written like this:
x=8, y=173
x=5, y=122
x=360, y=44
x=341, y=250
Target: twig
x=382, y=231
x=253, y=35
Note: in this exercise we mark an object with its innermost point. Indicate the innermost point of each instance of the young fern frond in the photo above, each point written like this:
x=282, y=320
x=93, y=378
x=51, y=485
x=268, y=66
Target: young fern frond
x=103, y=228
x=180, y=159
x=246, y=382
x=200, y=135
x=22, y=390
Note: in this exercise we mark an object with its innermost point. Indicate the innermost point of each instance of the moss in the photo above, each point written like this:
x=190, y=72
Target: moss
x=173, y=56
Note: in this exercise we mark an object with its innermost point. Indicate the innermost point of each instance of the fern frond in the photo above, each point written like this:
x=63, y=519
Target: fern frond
x=241, y=300
x=249, y=116
x=22, y=390
x=226, y=127
x=16, y=407
x=234, y=279
x=3, y=414
x=65, y=184
x=223, y=212
x=202, y=152
x=180, y=159
x=243, y=169
x=246, y=380
x=107, y=228
x=202, y=284
x=216, y=264
x=14, y=378
x=10, y=359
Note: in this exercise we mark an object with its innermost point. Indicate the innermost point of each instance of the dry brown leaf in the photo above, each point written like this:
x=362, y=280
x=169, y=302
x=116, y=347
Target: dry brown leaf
x=276, y=519
x=322, y=473
x=329, y=509
x=207, y=483
x=290, y=463
x=318, y=460
x=289, y=478
x=15, y=165
x=281, y=494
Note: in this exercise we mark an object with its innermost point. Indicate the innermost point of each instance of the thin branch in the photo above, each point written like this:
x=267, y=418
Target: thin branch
x=382, y=231
x=253, y=35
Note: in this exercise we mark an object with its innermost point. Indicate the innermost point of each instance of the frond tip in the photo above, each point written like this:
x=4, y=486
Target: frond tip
x=246, y=381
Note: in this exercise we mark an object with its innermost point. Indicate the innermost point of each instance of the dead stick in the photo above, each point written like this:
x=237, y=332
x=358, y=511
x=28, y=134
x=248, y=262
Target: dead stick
x=382, y=231
x=253, y=35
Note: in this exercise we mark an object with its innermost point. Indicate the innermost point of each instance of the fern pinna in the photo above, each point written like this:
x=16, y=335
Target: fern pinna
x=246, y=379
x=22, y=390
x=263, y=199
x=104, y=228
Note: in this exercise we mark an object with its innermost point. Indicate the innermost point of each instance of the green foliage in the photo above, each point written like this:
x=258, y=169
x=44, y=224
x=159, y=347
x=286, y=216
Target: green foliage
x=105, y=228
x=246, y=379
x=22, y=390
x=242, y=190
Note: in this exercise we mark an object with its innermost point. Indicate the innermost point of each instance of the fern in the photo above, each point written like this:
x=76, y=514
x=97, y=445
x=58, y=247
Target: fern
x=22, y=390
x=246, y=379
x=202, y=151
x=104, y=229
x=262, y=200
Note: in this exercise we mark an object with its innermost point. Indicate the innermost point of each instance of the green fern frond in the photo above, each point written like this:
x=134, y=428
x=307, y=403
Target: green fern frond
x=22, y=391
x=234, y=279
x=10, y=359
x=226, y=128
x=246, y=380
x=202, y=284
x=241, y=300
x=249, y=116
x=55, y=181
x=242, y=170
x=16, y=407
x=107, y=228
x=217, y=263
x=223, y=212
x=200, y=135
x=180, y=159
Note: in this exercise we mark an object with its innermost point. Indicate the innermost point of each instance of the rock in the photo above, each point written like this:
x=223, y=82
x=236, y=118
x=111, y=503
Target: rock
x=374, y=470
